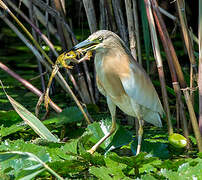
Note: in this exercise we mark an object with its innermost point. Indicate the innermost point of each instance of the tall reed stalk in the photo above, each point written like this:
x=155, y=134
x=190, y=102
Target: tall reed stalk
x=166, y=41
x=200, y=65
x=131, y=28
x=157, y=55
x=185, y=92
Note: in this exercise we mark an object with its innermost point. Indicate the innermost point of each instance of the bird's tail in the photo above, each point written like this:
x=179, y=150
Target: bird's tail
x=153, y=118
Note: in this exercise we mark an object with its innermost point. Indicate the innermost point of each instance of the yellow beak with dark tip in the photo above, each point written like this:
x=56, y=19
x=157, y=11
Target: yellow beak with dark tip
x=86, y=45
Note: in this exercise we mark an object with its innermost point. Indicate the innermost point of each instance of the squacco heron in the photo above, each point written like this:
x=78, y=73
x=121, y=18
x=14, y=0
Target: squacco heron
x=122, y=81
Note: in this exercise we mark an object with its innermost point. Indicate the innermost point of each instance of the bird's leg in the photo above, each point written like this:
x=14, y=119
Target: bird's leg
x=140, y=133
x=112, y=108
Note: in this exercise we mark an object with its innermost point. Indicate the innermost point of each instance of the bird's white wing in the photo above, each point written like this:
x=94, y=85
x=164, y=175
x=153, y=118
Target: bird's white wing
x=140, y=88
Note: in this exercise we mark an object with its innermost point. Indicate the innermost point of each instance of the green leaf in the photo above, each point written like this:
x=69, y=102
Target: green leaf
x=68, y=115
x=68, y=166
x=148, y=177
x=54, y=150
x=193, y=139
x=101, y=172
x=155, y=149
x=113, y=170
x=99, y=129
x=20, y=145
x=71, y=147
x=172, y=164
x=33, y=167
x=120, y=138
x=147, y=168
x=18, y=154
x=135, y=161
x=5, y=157
x=23, y=156
x=189, y=170
x=16, y=160
x=96, y=159
x=5, y=131
x=200, y=155
x=29, y=175
x=32, y=121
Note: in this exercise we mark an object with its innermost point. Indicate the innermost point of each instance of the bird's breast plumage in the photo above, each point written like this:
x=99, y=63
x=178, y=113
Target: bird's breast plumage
x=108, y=73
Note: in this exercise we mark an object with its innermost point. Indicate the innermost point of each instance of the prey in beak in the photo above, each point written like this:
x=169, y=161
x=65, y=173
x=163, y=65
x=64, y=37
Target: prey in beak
x=86, y=46
x=64, y=60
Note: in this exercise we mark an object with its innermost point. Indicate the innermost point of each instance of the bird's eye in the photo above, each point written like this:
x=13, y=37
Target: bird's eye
x=100, y=39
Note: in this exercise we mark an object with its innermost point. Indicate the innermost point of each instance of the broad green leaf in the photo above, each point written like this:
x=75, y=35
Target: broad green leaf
x=147, y=177
x=171, y=175
x=129, y=161
x=5, y=157
x=71, y=147
x=156, y=149
x=18, y=155
x=84, y=142
x=200, y=155
x=55, y=150
x=20, y=145
x=68, y=166
x=15, y=160
x=33, y=167
x=99, y=129
x=115, y=168
x=57, y=154
x=101, y=173
x=147, y=168
x=32, y=121
x=135, y=161
x=119, y=138
x=5, y=131
x=68, y=115
x=189, y=170
x=96, y=159
x=172, y=164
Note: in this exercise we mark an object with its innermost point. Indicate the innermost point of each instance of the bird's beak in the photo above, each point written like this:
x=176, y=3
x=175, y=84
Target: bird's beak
x=86, y=45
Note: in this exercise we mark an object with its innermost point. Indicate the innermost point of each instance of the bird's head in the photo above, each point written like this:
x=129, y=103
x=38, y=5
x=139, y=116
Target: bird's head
x=99, y=40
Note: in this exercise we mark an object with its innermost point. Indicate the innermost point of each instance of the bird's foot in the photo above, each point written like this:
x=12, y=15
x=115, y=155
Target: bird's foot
x=91, y=151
